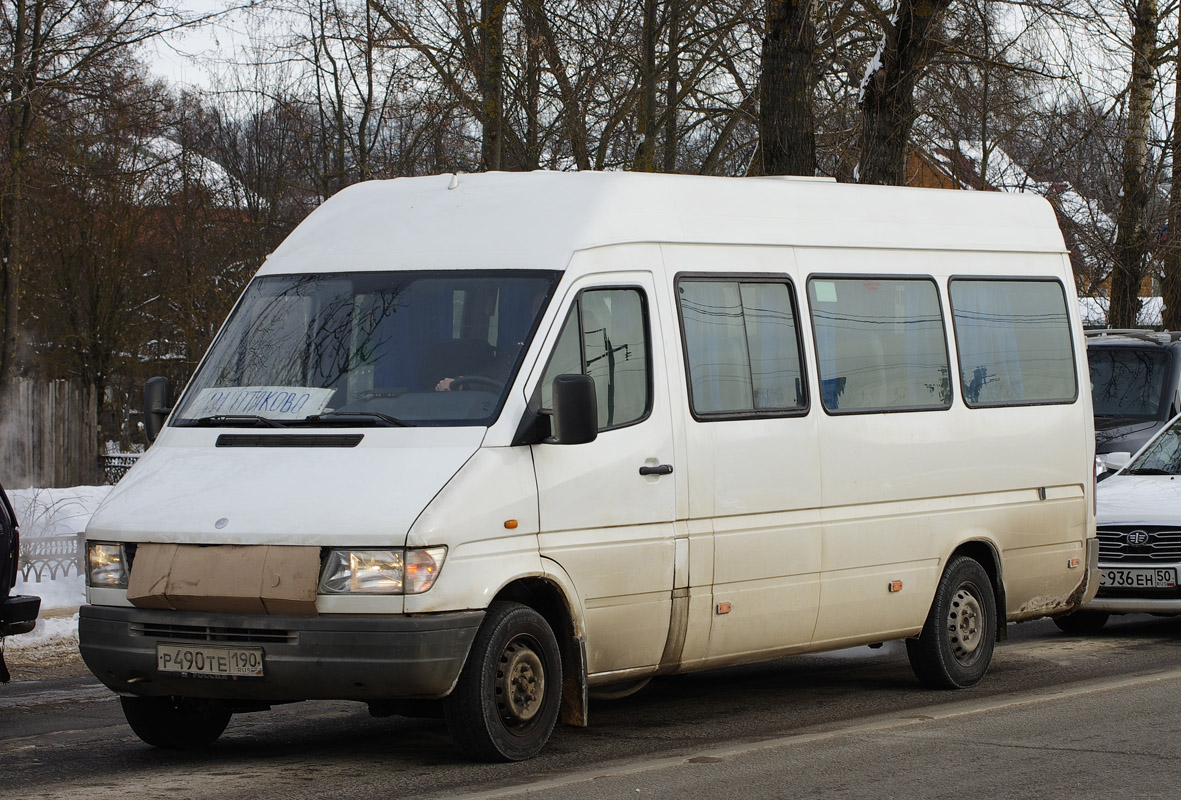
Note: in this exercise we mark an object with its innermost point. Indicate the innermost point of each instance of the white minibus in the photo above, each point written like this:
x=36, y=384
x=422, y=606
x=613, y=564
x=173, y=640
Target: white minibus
x=487, y=445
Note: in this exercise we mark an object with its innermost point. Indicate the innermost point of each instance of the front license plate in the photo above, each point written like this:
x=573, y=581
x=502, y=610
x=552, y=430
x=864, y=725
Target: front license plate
x=216, y=662
x=1138, y=578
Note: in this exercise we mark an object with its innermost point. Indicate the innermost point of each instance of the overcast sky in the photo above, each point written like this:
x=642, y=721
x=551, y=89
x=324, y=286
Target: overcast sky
x=183, y=58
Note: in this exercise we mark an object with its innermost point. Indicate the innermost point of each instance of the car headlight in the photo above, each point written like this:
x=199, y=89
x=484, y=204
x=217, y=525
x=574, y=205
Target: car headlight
x=390, y=571
x=106, y=565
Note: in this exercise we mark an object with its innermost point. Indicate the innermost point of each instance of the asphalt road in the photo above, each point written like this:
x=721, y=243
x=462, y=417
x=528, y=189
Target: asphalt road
x=1057, y=716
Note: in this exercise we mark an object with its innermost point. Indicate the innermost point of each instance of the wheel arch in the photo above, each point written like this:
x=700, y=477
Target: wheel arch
x=985, y=553
x=548, y=599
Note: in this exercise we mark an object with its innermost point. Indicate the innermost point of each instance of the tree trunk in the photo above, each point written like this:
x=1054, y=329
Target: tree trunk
x=787, y=128
x=646, y=153
x=492, y=80
x=672, y=87
x=887, y=98
x=572, y=115
x=18, y=121
x=532, y=102
x=1171, y=279
x=1131, y=239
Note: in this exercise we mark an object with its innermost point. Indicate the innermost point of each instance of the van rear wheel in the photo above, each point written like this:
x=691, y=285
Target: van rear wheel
x=955, y=647
x=175, y=722
x=505, y=703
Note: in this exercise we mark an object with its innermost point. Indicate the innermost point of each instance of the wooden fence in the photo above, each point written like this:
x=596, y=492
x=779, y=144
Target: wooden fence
x=49, y=435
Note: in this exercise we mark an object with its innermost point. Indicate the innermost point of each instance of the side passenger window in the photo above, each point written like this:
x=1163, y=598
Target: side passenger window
x=741, y=346
x=1013, y=338
x=606, y=336
x=880, y=344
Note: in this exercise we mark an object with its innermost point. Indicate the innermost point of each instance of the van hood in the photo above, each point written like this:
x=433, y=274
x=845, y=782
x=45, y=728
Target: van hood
x=1138, y=500
x=186, y=489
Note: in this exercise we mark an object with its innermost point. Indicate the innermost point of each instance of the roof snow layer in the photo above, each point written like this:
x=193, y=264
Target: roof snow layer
x=537, y=220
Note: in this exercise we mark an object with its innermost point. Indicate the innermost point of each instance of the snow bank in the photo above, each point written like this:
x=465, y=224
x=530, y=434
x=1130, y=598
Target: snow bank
x=44, y=513
x=68, y=592
x=49, y=632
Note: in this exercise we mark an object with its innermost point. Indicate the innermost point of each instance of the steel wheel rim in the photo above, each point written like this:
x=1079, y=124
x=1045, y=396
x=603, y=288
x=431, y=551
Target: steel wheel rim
x=520, y=683
x=965, y=623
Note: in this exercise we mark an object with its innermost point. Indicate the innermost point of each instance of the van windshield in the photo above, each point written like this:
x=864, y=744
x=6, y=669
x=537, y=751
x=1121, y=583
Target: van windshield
x=369, y=349
x=1127, y=382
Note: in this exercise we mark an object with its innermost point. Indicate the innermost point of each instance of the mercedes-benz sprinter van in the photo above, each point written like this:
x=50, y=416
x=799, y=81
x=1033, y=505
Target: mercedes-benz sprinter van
x=485, y=444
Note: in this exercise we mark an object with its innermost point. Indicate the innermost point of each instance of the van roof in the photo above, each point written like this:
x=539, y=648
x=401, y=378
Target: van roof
x=536, y=220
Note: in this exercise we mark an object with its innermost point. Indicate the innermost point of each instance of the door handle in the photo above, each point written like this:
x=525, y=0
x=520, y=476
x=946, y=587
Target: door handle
x=663, y=469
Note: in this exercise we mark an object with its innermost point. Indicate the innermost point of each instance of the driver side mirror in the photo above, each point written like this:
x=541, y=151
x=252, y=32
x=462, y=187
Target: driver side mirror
x=576, y=410
x=157, y=405
x=1115, y=461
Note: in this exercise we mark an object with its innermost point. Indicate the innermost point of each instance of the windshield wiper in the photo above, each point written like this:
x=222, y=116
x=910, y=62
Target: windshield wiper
x=239, y=419
x=1149, y=471
x=374, y=417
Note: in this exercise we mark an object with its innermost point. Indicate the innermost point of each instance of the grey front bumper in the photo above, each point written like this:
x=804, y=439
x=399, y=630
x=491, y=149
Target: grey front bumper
x=339, y=657
x=1136, y=605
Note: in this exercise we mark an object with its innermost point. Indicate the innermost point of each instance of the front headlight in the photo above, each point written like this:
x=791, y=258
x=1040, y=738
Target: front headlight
x=392, y=571
x=106, y=565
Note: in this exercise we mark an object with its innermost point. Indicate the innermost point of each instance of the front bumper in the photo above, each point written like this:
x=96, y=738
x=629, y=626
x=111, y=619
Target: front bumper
x=1137, y=601
x=1135, y=605
x=18, y=614
x=338, y=657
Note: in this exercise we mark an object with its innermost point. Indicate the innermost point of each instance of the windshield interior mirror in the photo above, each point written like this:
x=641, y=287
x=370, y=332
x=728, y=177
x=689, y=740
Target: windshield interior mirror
x=157, y=405
x=576, y=410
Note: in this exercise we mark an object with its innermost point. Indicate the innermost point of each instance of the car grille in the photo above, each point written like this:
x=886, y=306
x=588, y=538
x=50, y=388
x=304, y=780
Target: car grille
x=203, y=633
x=1143, y=544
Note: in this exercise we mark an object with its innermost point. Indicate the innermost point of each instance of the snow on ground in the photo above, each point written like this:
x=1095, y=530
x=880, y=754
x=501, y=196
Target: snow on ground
x=44, y=513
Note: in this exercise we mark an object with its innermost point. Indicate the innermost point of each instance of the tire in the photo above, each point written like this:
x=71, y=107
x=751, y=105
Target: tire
x=505, y=703
x=955, y=647
x=174, y=722
x=1082, y=623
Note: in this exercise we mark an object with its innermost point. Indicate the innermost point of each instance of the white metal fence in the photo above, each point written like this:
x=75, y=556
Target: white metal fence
x=52, y=557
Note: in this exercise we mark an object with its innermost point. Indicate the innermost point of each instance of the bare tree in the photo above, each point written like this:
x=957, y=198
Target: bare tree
x=53, y=54
x=1171, y=266
x=787, y=128
x=1132, y=240
x=909, y=41
x=492, y=82
x=91, y=209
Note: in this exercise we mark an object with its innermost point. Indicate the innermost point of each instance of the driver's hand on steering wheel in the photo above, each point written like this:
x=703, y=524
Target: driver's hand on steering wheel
x=444, y=385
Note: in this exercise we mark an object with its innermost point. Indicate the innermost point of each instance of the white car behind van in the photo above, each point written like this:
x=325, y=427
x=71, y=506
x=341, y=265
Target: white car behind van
x=1138, y=520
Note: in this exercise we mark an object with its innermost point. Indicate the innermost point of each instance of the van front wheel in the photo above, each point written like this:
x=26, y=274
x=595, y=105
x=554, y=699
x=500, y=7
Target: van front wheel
x=174, y=722
x=955, y=647
x=505, y=703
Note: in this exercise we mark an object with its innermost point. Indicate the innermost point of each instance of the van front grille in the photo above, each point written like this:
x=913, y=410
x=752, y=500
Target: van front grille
x=206, y=633
x=1145, y=544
